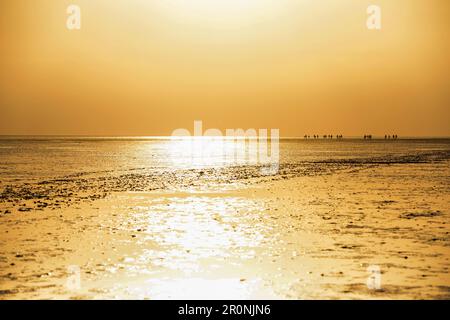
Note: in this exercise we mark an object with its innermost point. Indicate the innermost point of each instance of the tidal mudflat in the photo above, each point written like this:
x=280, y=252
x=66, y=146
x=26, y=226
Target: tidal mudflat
x=128, y=224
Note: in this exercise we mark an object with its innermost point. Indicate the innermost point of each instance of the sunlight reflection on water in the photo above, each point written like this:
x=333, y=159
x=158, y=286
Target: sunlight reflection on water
x=197, y=238
x=203, y=227
x=199, y=288
x=202, y=152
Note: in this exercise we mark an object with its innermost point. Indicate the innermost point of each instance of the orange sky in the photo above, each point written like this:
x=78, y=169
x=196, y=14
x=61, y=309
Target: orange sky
x=141, y=67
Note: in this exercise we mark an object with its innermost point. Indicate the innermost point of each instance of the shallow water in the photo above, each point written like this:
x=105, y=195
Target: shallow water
x=33, y=159
x=37, y=173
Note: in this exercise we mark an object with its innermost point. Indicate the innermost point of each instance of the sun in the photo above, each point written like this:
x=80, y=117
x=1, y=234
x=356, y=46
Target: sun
x=223, y=7
x=215, y=12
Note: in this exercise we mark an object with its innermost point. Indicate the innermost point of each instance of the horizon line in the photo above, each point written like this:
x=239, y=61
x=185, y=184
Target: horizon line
x=224, y=136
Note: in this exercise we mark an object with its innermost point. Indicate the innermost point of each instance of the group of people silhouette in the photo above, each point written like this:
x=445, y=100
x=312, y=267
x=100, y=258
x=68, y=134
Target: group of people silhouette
x=325, y=136
x=394, y=136
x=340, y=136
x=386, y=136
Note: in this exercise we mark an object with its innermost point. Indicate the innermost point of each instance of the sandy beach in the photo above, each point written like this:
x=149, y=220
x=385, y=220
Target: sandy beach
x=285, y=237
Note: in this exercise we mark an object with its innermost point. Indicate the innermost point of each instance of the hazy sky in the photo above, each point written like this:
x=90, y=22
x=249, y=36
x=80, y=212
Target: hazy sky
x=147, y=67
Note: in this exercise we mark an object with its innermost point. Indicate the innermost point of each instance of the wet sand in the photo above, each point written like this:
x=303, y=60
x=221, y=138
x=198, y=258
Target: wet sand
x=290, y=237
